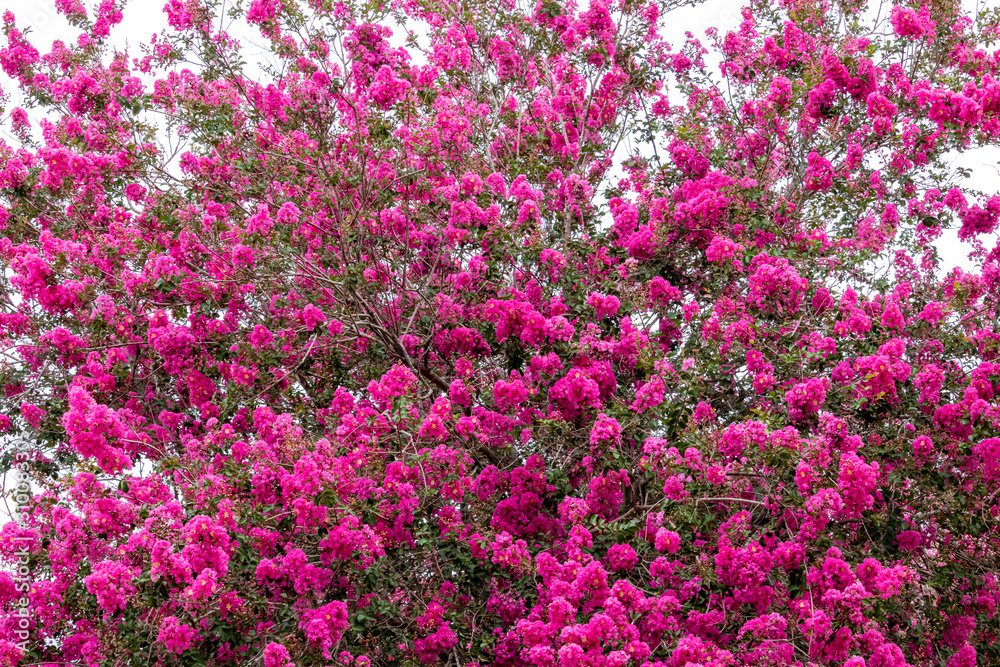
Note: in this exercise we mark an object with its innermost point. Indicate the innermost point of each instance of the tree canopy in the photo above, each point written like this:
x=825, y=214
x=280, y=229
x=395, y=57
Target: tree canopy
x=470, y=332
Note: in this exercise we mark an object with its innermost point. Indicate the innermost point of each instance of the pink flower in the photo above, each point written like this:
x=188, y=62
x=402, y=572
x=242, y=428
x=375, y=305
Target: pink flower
x=606, y=432
x=929, y=381
x=622, y=557
x=933, y=313
x=206, y=545
x=429, y=648
x=71, y=8
x=175, y=636
x=276, y=655
x=662, y=292
x=822, y=301
x=261, y=11
x=509, y=395
x=135, y=192
x=386, y=89
x=721, y=249
x=574, y=392
x=177, y=15
x=204, y=586
x=667, y=540
x=775, y=285
x=260, y=337
x=880, y=373
x=703, y=413
x=324, y=626
x=496, y=182
x=806, y=397
x=510, y=555
x=395, y=383
x=856, y=482
x=988, y=452
x=649, y=395
x=111, y=582
x=312, y=316
x=819, y=174
x=673, y=488
x=908, y=22
x=964, y=657
x=890, y=581
x=603, y=305
x=32, y=414
x=892, y=317
x=552, y=259
x=909, y=540
x=923, y=447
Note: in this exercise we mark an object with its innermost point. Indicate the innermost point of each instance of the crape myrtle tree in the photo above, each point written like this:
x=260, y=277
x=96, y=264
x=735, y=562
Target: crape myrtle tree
x=529, y=339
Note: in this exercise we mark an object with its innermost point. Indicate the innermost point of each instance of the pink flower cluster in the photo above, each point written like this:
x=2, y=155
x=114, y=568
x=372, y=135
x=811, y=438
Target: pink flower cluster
x=403, y=360
x=775, y=285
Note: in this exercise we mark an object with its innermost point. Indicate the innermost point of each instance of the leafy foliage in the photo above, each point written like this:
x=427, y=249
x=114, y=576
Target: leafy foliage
x=535, y=341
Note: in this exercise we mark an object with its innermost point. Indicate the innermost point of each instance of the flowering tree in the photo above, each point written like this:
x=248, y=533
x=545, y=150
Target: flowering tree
x=535, y=341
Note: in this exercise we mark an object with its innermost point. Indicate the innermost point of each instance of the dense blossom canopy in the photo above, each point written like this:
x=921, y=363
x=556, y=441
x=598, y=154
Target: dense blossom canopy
x=527, y=339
